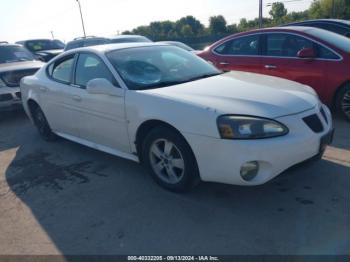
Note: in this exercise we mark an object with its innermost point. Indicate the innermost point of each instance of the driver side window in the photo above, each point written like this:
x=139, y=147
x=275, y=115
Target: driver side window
x=90, y=67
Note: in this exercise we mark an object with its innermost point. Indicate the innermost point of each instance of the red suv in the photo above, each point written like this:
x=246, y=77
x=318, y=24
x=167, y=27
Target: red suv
x=311, y=56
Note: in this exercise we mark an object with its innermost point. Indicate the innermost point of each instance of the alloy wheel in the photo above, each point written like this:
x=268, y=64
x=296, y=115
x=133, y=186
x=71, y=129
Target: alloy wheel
x=167, y=161
x=345, y=104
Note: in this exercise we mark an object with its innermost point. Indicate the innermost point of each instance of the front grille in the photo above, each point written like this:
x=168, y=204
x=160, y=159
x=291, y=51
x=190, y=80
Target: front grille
x=13, y=78
x=323, y=113
x=5, y=97
x=314, y=123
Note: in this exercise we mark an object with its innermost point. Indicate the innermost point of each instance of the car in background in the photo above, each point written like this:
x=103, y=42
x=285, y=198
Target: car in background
x=15, y=63
x=43, y=49
x=86, y=41
x=179, y=44
x=184, y=119
x=311, y=56
x=94, y=40
x=338, y=26
x=3, y=42
x=128, y=39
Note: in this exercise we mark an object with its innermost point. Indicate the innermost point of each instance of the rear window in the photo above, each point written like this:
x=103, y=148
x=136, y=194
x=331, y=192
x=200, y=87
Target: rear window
x=10, y=54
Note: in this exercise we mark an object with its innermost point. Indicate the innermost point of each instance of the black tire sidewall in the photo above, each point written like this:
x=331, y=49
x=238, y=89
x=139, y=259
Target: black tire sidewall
x=339, y=100
x=191, y=176
x=47, y=135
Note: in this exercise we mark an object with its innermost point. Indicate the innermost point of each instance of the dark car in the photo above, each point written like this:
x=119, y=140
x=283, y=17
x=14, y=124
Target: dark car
x=86, y=41
x=43, y=49
x=338, y=26
x=308, y=55
x=15, y=63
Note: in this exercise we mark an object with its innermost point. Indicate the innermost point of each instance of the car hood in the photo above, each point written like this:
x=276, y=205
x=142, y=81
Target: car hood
x=245, y=94
x=20, y=66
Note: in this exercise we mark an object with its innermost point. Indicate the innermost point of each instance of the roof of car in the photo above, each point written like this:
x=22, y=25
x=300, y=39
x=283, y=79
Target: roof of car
x=124, y=36
x=111, y=47
x=322, y=20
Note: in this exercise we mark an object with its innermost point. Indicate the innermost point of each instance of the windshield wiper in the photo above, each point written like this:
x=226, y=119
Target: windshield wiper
x=203, y=76
x=178, y=82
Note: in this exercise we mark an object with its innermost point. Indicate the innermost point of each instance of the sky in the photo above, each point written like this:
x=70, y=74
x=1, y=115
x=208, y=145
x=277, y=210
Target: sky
x=25, y=19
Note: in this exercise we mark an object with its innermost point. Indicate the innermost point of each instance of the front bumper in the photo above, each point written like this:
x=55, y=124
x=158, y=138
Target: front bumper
x=221, y=160
x=10, y=99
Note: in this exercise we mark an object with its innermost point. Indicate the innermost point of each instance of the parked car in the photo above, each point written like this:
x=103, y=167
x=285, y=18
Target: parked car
x=86, y=41
x=178, y=44
x=15, y=63
x=338, y=26
x=94, y=40
x=129, y=39
x=311, y=56
x=179, y=115
x=43, y=49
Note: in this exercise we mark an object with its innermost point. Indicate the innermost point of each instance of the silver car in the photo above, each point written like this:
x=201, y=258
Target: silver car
x=15, y=63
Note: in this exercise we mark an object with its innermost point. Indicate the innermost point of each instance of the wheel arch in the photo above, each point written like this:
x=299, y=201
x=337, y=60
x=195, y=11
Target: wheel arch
x=149, y=125
x=338, y=90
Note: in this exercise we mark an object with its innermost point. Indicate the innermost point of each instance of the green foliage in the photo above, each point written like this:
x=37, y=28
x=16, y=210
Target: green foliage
x=217, y=25
x=190, y=30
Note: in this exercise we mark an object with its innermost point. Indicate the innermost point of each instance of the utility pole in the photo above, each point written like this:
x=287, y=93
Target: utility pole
x=261, y=13
x=82, y=19
x=53, y=37
x=333, y=8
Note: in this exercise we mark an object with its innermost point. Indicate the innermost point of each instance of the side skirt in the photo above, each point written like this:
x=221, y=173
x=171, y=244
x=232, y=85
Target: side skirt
x=99, y=147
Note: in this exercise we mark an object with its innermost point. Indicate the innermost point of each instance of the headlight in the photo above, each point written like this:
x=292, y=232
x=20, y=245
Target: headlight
x=2, y=83
x=246, y=127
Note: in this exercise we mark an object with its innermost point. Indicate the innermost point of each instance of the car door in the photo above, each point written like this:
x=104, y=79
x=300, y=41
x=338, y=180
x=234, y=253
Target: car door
x=280, y=58
x=58, y=99
x=103, y=122
x=241, y=54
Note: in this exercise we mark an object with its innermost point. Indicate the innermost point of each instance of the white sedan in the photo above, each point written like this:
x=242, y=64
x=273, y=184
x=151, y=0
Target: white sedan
x=174, y=112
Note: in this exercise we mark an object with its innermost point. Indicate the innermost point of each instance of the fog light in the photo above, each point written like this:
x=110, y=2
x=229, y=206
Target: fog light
x=249, y=170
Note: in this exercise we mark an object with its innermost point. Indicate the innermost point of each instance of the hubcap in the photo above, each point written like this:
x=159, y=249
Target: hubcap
x=167, y=161
x=345, y=104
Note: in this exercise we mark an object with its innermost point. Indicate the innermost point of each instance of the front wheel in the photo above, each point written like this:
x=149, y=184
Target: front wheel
x=42, y=125
x=170, y=160
x=343, y=102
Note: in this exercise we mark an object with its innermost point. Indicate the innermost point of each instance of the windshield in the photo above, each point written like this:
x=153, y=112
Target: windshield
x=10, y=54
x=159, y=66
x=337, y=40
x=40, y=45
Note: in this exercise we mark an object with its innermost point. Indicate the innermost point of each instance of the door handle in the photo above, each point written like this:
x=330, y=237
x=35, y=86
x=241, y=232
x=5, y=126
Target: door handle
x=224, y=63
x=270, y=66
x=76, y=98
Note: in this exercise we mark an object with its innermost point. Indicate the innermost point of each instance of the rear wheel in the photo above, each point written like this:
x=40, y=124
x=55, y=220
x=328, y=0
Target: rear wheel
x=42, y=124
x=170, y=160
x=343, y=102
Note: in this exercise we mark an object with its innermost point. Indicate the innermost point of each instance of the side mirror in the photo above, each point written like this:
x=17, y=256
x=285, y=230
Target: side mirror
x=101, y=86
x=307, y=53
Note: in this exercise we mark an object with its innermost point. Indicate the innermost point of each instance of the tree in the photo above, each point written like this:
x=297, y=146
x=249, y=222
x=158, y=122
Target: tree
x=232, y=29
x=196, y=26
x=324, y=9
x=217, y=25
x=278, y=11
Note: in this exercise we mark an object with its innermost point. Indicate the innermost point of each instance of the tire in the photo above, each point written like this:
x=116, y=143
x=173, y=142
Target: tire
x=170, y=160
x=42, y=125
x=342, y=102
